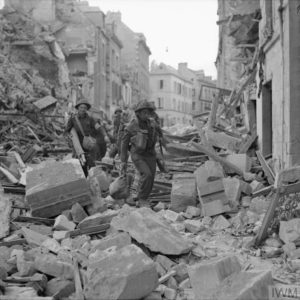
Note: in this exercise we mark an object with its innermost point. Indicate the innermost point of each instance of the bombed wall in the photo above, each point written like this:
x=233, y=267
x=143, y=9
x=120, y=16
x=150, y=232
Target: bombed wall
x=238, y=32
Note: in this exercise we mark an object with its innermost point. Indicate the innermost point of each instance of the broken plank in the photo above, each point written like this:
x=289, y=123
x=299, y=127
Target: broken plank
x=89, y=230
x=263, y=231
x=35, y=220
x=13, y=188
x=264, y=191
x=78, y=285
x=219, y=159
x=267, y=170
x=13, y=243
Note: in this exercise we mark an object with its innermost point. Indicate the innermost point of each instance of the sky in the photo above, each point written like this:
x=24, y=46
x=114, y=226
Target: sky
x=176, y=30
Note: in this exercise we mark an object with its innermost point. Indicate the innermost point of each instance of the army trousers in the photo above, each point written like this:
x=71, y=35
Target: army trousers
x=146, y=166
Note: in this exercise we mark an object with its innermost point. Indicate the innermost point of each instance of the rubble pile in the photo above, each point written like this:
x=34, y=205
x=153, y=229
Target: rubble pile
x=222, y=223
x=32, y=84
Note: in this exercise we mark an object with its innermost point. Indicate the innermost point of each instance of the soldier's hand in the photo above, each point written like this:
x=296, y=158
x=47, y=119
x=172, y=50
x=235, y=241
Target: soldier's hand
x=106, y=139
x=97, y=126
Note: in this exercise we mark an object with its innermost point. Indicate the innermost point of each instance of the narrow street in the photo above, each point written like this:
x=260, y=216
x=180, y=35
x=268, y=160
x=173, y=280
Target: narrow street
x=125, y=178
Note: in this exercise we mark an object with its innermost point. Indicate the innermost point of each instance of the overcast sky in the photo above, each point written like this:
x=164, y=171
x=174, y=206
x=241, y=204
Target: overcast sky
x=176, y=30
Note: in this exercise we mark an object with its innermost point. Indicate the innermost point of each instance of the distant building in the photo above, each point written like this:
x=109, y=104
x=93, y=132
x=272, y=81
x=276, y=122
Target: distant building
x=171, y=93
x=134, y=57
x=204, y=88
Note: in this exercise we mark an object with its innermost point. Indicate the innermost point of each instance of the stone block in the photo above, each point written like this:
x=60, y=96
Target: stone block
x=256, y=186
x=193, y=211
x=5, y=210
x=232, y=190
x=245, y=286
x=160, y=270
x=172, y=283
x=183, y=193
x=19, y=292
x=211, y=194
x=242, y=161
x=59, y=235
x=151, y=230
x=245, y=187
x=170, y=294
x=181, y=272
x=78, y=213
x=289, y=231
x=62, y=223
x=178, y=226
x=61, y=288
x=25, y=267
x=52, y=245
x=172, y=216
x=50, y=265
x=153, y=296
x=259, y=205
x=55, y=186
x=246, y=201
x=166, y=262
x=206, y=276
x=123, y=274
x=118, y=240
x=160, y=206
x=42, y=229
x=193, y=226
x=220, y=223
x=185, y=284
x=98, y=219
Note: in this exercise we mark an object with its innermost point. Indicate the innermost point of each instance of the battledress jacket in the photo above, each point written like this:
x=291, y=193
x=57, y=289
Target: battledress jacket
x=127, y=142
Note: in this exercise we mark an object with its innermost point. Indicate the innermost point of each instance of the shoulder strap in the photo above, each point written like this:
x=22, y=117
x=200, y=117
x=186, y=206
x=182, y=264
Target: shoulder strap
x=79, y=125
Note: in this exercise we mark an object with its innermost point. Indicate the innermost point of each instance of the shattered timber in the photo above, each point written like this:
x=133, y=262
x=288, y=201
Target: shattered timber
x=225, y=217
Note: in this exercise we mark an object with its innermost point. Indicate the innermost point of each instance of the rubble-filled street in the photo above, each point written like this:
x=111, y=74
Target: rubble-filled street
x=205, y=207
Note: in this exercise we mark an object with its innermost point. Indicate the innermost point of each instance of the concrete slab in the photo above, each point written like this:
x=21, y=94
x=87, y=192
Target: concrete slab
x=55, y=186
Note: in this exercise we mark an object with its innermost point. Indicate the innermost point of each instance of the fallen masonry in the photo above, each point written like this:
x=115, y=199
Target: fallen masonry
x=225, y=219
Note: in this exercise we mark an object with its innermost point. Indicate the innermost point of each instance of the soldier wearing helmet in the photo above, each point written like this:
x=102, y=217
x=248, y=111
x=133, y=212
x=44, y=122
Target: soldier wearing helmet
x=85, y=126
x=140, y=136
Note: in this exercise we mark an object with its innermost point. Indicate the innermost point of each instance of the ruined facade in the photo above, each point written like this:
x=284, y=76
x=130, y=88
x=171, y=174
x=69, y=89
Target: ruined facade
x=134, y=57
x=273, y=100
x=278, y=104
x=171, y=93
x=238, y=28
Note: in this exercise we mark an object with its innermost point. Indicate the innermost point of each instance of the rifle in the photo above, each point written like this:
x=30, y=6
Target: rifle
x=161, y=161
x=78, y=149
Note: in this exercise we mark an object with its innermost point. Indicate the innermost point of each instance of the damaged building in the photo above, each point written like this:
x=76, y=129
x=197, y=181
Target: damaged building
x=223, y=216
x=262, y=35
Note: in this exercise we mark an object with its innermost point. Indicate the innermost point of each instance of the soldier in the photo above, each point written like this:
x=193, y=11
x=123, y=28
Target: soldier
x=85, y=126
x=140, y=136
x=115, y=148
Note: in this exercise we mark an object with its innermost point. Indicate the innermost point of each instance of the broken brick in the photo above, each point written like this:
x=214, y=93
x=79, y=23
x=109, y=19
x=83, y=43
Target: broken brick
x=78, y=213
x=62, y=223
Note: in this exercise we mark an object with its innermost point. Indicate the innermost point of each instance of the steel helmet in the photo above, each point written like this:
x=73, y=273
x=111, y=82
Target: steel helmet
x=83, y=101
x=143, y=105
x=118, y=109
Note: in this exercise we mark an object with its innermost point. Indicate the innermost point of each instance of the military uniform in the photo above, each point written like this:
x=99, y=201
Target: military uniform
x=88, y=126
x=143, y=159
